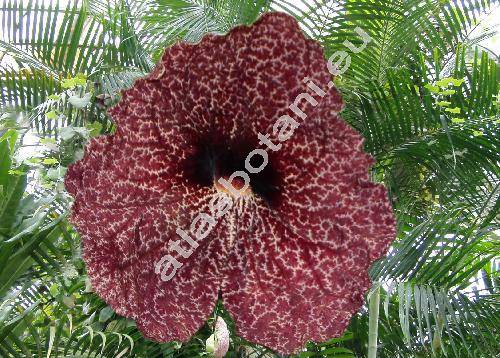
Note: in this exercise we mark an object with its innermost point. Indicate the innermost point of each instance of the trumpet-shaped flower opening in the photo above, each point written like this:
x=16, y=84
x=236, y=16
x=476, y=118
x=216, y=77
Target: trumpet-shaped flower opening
x=233, y=119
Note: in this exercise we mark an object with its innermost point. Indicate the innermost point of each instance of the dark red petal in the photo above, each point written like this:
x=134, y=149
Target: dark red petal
x=300, y=270
x=245, y=79
x=129, y=200
x=326, y=195
x=274, y=58
x=284, y=290
x=176, y=309
x=121, y=247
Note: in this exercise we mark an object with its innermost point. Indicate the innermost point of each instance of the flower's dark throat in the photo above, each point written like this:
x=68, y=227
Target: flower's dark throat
x=212, y=160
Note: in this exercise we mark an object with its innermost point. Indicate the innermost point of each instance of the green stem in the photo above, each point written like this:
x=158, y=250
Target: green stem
x=373, y=310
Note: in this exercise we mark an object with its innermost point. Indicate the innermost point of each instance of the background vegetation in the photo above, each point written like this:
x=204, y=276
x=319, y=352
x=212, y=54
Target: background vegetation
x=424, y=94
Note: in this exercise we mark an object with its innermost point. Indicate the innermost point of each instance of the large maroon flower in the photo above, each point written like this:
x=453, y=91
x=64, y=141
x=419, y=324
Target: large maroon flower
x=290, y=257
